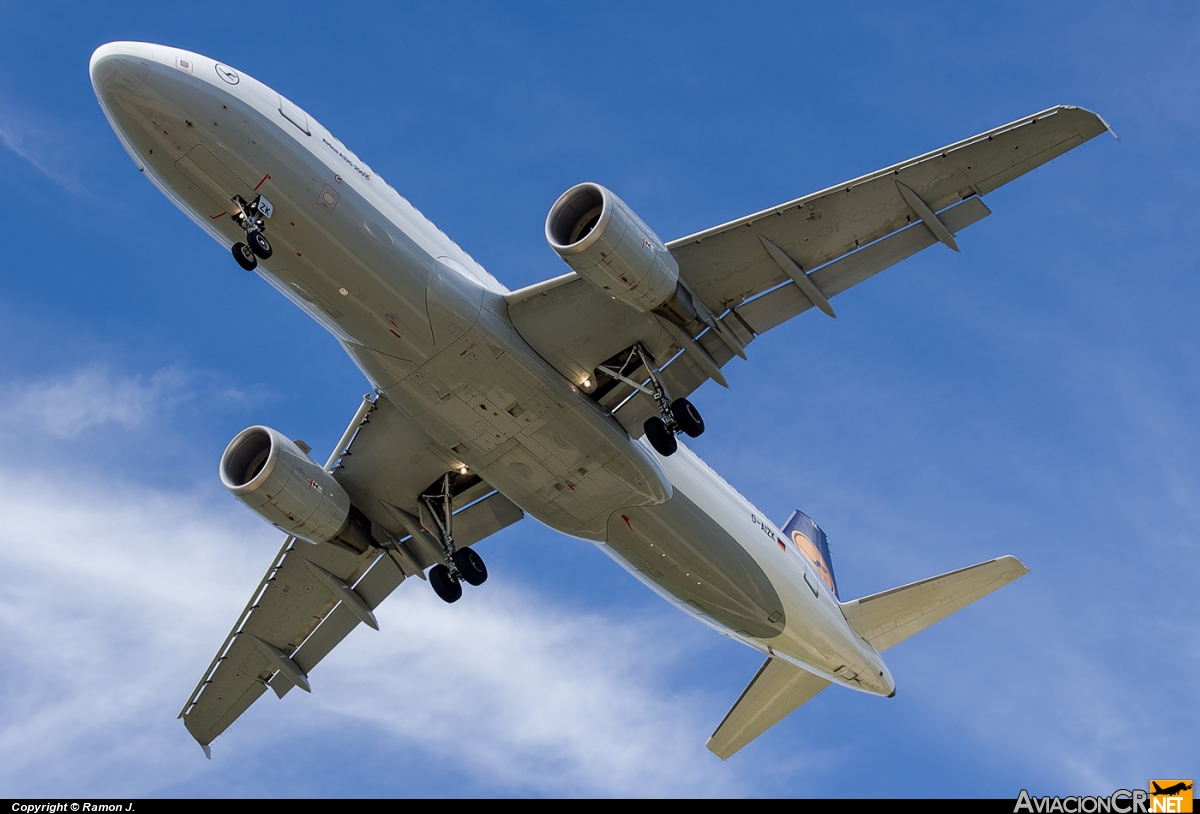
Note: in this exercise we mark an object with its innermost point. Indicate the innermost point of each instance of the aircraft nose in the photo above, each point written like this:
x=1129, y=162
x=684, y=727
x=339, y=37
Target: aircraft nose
x=118, y=69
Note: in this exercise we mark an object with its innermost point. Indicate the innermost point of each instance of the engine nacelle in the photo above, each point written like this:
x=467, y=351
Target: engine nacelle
x=609, y=246
x=271, y=475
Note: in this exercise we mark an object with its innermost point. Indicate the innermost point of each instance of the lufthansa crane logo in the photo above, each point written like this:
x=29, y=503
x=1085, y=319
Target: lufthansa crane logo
x=228, y=74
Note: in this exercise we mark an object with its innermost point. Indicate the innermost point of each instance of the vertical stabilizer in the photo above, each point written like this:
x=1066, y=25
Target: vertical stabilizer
x=813, y=544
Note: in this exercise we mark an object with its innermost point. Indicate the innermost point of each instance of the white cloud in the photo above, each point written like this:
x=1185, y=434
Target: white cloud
x=115, y=595
x=39, y=146
x=532, y=699
x=66, y=405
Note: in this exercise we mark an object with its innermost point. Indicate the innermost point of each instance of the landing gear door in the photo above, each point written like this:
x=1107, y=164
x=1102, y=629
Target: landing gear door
x=294, y=115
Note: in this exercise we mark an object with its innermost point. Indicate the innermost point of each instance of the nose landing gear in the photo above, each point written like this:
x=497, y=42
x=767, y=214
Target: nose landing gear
x=250, y=216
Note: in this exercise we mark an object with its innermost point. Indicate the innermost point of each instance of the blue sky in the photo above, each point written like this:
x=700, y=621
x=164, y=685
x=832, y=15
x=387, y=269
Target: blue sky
x=1035, y=395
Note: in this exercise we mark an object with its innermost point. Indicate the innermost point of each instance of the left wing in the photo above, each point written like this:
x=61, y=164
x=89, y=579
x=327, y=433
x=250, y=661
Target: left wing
x=759, y=271
x=312, y=596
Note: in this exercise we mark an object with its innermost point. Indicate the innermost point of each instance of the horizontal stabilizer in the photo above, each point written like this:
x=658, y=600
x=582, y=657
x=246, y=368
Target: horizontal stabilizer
x=888, y=618
x=776, y=690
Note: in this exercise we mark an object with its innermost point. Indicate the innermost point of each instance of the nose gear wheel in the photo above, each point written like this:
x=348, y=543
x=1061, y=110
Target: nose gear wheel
x=251, y=217
x=244, y=256
x=259, y=244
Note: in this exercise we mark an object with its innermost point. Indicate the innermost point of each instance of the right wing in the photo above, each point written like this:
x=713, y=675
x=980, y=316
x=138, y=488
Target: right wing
x=312, y=596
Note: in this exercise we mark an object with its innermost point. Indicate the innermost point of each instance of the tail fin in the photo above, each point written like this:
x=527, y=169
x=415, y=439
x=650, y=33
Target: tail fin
x=888, y=618
x=813, y=544
x=883, y=619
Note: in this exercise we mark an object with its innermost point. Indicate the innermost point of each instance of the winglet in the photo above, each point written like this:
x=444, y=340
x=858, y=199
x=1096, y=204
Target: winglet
x=207, y=750
x=1100, y=118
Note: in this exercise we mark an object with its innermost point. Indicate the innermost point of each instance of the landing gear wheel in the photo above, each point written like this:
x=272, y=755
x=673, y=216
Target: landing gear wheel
x=244, y=256
x=688, y=417
x=662, y=439
x=470, y=566
x=444, y=585
x=259, y=244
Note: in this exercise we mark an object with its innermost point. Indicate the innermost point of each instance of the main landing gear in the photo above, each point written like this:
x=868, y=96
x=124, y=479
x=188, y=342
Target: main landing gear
x=250, y=216
x=673, y=417
x=461, y=564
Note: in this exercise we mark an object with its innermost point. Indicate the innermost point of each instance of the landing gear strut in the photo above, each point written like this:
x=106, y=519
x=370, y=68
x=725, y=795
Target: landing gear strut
x=461, y=564
x=673, y=417
x=250, y=216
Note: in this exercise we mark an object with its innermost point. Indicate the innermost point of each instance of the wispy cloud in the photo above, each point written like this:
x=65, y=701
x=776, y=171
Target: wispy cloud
x=63, y=405
x=115, y=594
x=26, y=135
x=533, y=699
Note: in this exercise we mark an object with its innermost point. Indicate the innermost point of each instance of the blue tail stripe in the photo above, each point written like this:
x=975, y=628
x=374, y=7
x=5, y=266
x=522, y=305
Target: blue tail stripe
x=813, y=544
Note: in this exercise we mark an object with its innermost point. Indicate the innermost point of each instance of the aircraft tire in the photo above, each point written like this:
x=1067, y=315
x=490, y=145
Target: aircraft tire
x=259, y=244
x=688, y=417
x=470, y=566
x=662, y=439
x=245, y=256
x=443, y=584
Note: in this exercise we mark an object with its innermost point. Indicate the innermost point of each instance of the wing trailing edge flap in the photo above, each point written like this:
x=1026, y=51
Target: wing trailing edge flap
x=472, y=524
x=683, y=375
x=725, y=265
x=888, y=618
x=243, y=672
x=777, y=690
x=781, y=304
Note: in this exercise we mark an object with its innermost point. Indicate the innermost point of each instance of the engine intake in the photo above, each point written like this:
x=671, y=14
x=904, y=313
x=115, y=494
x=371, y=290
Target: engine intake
x=272, y=476
x=602, y=239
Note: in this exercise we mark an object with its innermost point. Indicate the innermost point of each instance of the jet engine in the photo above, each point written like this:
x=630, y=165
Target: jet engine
x=271, y=475
x=601, y=238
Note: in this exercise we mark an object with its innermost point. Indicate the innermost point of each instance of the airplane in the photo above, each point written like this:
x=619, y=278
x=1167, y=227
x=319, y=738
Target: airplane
x=563, y=400
x=1170, y=791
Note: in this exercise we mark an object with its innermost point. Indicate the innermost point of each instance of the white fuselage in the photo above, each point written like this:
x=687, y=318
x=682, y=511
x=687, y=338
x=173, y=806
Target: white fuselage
x=429, y=327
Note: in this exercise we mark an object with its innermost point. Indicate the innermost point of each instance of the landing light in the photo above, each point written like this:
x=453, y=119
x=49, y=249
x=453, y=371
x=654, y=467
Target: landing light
x=462, y=470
